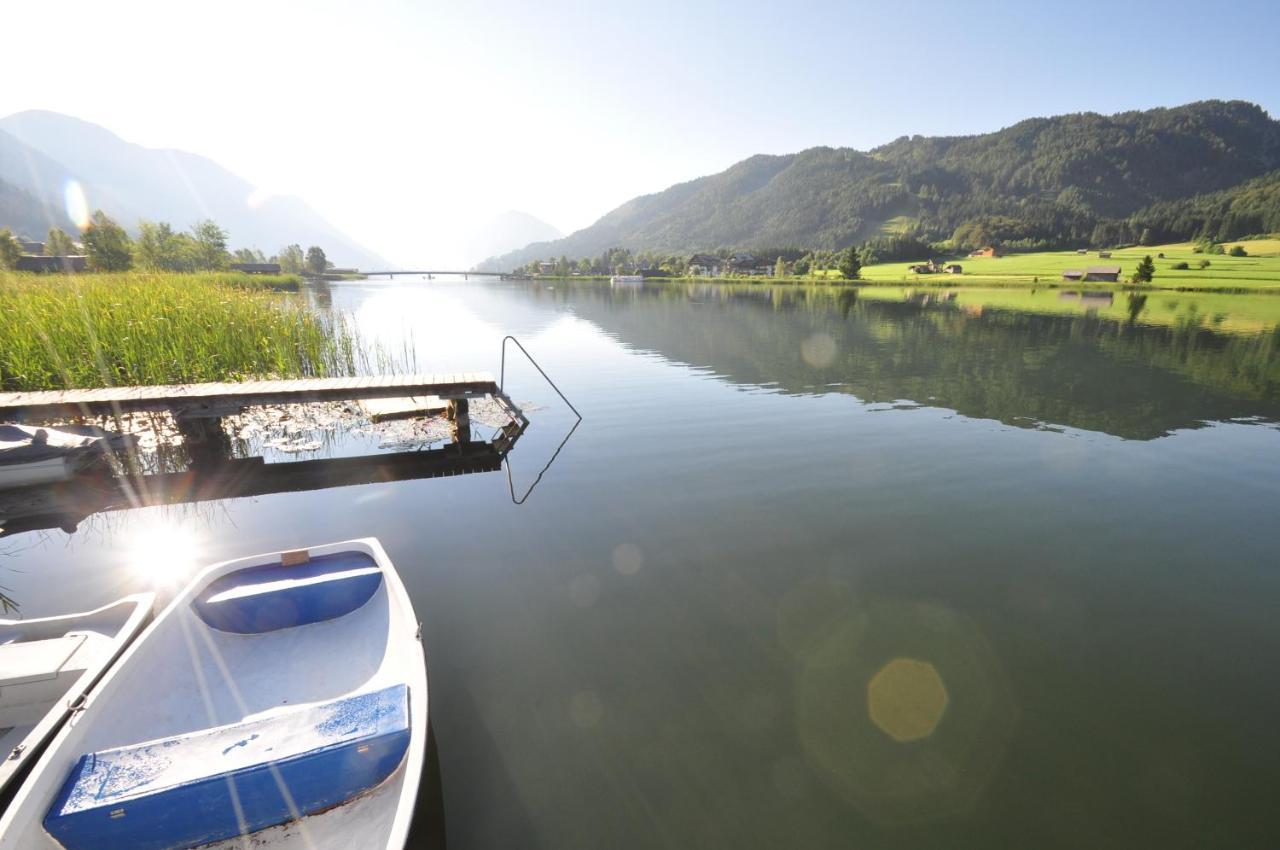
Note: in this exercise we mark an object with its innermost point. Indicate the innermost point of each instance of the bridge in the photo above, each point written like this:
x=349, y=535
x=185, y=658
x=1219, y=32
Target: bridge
x=429, y=273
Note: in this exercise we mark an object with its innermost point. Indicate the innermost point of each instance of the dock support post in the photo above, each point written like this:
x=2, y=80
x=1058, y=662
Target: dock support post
x=206, y=441
x=460, y=416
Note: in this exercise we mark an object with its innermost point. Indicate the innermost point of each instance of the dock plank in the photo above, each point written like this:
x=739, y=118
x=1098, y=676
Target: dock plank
x=214, y=399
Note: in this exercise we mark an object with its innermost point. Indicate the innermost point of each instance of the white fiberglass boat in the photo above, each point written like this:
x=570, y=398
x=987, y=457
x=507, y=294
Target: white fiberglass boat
x=31, y=455
x=46, y=667
x=281, y=697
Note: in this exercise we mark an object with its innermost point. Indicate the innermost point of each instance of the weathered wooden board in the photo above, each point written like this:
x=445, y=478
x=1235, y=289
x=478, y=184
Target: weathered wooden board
x=222, y=399
x=386, y=409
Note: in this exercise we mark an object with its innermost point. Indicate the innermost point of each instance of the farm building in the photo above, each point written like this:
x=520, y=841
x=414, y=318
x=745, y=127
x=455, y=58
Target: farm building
x=1106, y=255
x=256, y=268
x=931, y=267
x=1073, y=274
x=1107, y=273
x=988, y=251
x=41, y=263
x=954, y=268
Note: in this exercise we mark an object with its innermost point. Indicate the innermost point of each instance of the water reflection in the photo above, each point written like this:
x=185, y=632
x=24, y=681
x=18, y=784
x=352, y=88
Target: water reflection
x=1080, y=370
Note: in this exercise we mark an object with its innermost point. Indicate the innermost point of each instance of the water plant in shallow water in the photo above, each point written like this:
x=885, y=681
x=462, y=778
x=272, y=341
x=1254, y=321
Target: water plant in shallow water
x=66, y=331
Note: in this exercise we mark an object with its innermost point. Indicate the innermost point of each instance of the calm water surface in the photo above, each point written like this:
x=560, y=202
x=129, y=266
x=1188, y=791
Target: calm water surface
x=819, y=569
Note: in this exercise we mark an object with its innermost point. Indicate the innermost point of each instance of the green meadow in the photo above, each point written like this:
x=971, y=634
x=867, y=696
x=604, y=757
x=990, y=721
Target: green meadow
x=92, y=330
x=1260, y=270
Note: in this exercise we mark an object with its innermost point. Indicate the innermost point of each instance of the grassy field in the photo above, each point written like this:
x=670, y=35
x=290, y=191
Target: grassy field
x=91, y=330
x=1258, y=271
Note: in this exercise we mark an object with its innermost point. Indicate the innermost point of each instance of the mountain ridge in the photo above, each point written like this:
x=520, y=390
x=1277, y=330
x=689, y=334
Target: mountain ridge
x=1041, y=181
x=132, y=182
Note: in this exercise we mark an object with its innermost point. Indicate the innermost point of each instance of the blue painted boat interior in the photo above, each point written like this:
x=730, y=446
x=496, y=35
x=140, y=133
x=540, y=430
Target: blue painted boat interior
x=177, y=792
x=268, y=597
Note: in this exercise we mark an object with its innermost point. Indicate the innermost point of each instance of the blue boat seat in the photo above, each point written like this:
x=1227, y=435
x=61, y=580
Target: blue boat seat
x=219, y=783
x=274, y=596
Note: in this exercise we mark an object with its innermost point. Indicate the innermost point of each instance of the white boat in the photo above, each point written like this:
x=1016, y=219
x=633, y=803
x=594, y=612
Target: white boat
x=282, y=697
x=626, y=279
x=48, y=664
x=31, y=455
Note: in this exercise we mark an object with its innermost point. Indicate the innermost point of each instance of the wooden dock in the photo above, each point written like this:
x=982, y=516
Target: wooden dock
x=66, y=503
x=212, y=401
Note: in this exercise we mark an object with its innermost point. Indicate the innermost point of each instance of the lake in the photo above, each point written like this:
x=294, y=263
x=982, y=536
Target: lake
x=819, y=568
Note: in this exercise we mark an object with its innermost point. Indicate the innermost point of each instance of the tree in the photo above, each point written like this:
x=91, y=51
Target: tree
x=1145, y=271
x=801, y=266
x=106, y=244
x=1238, y=251
x=58, y=244
x=210, y=245
x=291, y=259
x=248, y=255
x=850, y=265
x=10, y=249
x=316, y=260
x=780, y=268
x=158, y=248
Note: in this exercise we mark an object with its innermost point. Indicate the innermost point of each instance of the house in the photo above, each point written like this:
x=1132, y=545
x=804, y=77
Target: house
x=546, y=267
x=744, y=262
x=1108, y=273
x=933, y=267
x=41, y=263
x=988, y=251
x=707, y=265
x=1082, y=251
x=1073, y=274
x=1105, y=255
x=256, y=268
x=954, y=268
x=30, y=246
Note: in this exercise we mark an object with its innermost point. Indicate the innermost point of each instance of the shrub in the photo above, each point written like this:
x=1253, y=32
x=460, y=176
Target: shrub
x=1203, y=264
x=1181, y=266
x=1238, y=251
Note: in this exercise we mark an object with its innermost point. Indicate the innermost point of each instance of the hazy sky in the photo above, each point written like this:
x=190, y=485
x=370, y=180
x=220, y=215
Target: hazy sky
x=407, y=123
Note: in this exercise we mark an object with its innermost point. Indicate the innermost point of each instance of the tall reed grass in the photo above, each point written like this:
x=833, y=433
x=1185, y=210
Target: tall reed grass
x=64, y=331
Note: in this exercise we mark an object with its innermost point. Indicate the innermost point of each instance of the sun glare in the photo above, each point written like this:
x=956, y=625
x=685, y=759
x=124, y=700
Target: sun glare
x=161, y=554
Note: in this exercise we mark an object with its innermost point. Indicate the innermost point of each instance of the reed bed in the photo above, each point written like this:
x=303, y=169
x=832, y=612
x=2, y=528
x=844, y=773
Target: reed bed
x=65, y=331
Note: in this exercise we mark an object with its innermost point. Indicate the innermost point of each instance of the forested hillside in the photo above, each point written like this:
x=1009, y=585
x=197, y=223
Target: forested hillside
x=1044, y=182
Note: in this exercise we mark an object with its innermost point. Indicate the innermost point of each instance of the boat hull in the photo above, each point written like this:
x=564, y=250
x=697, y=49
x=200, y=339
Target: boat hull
x=47, y=664
x=185, y=680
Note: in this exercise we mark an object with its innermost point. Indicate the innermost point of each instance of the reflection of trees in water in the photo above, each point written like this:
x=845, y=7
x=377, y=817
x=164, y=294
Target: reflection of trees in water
x=1137, y=303
x=1082, y=371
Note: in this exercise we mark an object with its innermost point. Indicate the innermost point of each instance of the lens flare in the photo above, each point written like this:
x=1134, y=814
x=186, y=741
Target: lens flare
x=77, y=204
x=257, y=198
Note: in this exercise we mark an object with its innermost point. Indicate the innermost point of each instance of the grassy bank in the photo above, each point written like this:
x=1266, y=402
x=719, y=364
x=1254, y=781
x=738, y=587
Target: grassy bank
x=91, y=330
x=1258, y=272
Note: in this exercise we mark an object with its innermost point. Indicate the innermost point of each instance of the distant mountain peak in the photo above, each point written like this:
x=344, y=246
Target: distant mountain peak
x=506, y=231
x=131, y=182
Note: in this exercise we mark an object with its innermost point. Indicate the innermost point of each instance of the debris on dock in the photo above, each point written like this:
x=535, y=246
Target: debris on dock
x=386, y=409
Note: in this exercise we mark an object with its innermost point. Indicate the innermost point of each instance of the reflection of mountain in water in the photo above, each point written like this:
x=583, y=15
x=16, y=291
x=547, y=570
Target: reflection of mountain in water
x=1023, y=369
